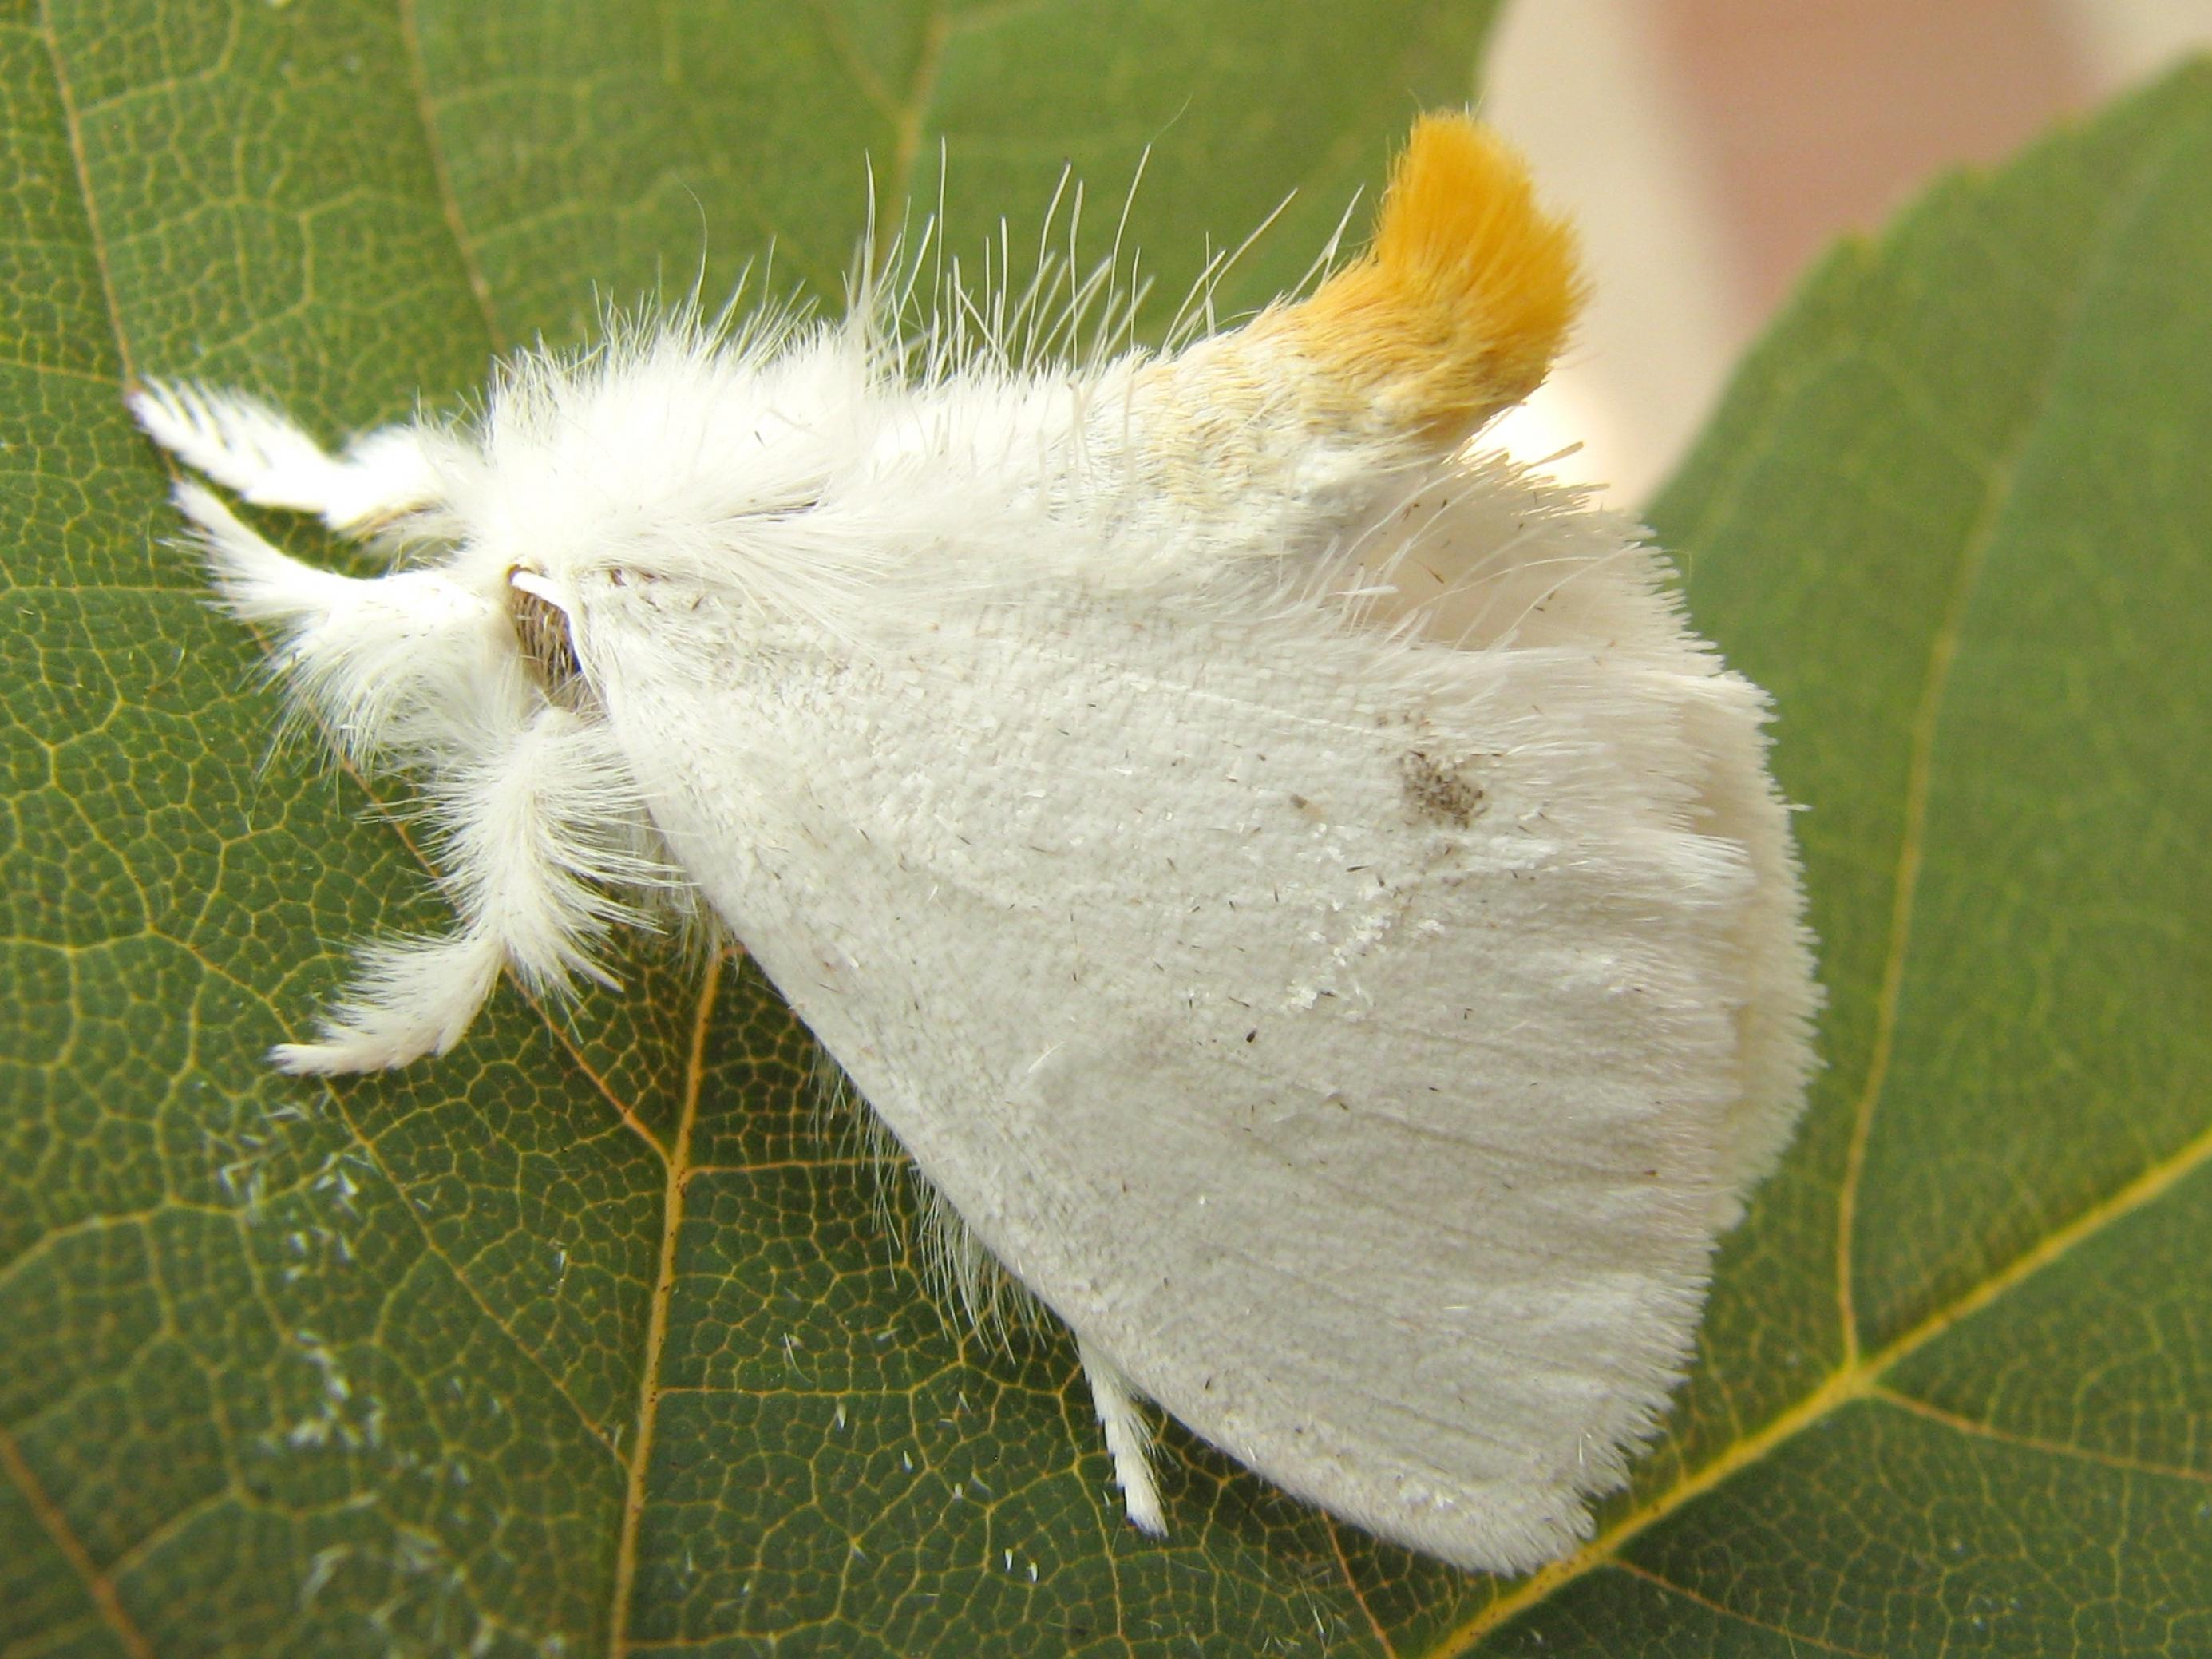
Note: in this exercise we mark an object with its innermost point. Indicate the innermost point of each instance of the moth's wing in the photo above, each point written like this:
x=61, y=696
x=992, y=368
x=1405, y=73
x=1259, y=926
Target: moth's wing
x=1771, y=956
x=1401, y=1190
x=1344, y=1039
x=1489, y=557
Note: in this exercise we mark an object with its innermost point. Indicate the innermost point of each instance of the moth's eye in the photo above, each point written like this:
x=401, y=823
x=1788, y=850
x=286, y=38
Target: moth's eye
x=541, y=632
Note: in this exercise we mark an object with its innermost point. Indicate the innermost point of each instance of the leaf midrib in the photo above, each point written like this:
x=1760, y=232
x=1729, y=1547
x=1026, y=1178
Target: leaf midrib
x=99, y=1585
x=656, y=1337
x=674, y=1157
x=1842, y=1386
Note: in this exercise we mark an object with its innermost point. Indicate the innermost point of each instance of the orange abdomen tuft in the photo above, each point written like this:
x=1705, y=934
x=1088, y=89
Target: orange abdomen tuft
x=1463, y=298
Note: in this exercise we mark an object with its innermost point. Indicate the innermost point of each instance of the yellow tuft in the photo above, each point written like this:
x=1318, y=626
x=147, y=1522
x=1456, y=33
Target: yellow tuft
x=1459, y=305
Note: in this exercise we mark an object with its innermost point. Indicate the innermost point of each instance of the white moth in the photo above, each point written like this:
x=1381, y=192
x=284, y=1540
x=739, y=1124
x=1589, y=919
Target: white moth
x=1295, y=885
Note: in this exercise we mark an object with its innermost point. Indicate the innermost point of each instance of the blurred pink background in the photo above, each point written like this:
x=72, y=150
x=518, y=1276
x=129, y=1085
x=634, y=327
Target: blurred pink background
x=1710, y=150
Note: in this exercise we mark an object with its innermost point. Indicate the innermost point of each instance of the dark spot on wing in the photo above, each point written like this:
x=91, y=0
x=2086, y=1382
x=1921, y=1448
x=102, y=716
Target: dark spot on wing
x=1436, y=794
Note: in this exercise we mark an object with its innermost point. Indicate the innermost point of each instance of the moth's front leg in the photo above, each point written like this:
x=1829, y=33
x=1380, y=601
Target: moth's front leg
x=241, y=443
x=382, y=660
x=535, y=817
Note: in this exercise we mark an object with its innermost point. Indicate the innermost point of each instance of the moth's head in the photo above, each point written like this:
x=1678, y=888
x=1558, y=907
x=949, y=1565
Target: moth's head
x=670, y=460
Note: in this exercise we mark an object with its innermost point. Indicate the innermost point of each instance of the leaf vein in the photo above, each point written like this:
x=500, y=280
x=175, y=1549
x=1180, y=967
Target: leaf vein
x=937, y=30
x=1841, y=1388
x=537, y=1360
x=1943, y=655
x=98, y=1585
x=1335, y=1531
x=649, y=1390
x=1855, y=1378
x=96, y=241
x=1951, y=1419
x=1723, y=1610
x=449, y=205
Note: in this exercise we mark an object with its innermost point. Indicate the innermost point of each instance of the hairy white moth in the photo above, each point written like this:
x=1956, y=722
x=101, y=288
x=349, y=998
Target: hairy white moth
x=1297, y=887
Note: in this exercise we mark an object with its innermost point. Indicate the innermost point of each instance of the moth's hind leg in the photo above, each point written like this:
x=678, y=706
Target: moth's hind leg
x=1128, y=1439
x=244, y=445
x=407, y=997
x=534, y=829
x=539, y=826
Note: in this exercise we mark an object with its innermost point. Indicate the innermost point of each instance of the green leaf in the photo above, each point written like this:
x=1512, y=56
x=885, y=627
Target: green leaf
x=587, y=1337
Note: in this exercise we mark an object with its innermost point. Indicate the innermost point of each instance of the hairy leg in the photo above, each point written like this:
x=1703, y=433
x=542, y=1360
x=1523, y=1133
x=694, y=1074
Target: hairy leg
x=1128, y=1439
x=244, y=445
